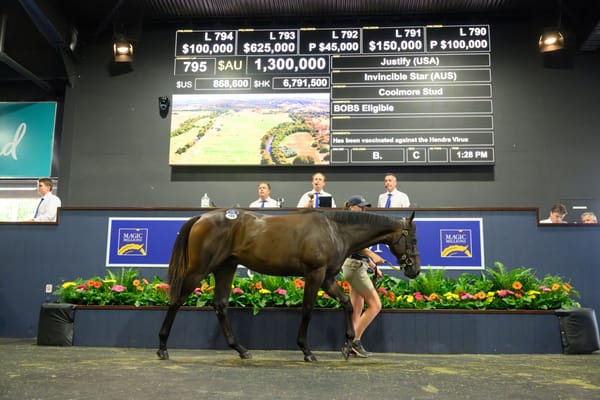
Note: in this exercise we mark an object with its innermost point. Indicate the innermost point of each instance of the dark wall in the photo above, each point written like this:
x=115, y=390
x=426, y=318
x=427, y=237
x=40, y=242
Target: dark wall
x=115, y=145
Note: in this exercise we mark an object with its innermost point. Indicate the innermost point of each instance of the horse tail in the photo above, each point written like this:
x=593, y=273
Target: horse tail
x=178, y=264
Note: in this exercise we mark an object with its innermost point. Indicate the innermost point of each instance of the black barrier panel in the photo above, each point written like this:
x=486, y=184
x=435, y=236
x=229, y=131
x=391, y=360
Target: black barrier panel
x=55, y=326
x=578, y=330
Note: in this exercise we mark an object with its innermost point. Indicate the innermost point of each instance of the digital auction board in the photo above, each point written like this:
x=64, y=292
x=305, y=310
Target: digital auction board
x=407, y=95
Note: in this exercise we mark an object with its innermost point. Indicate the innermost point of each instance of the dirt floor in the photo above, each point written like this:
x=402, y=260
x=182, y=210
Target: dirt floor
x=29, y=371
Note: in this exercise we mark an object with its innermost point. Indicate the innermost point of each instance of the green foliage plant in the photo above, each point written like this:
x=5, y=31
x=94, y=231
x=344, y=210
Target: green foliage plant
x=496, y=288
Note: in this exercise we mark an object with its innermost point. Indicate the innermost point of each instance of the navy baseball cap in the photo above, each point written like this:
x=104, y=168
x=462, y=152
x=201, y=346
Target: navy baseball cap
x=358, y=200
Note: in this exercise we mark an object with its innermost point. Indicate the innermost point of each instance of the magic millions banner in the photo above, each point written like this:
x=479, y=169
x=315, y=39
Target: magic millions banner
x=26, y=139
x=449, y=243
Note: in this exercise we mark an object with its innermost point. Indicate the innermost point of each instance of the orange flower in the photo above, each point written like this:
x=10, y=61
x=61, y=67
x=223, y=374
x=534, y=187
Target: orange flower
x=518, y=295
x=555, y=287
x=139, y=288
x=258, y=285
x=517, y=285
x=298, y=283
x=480, y=296
x=204, y=286
x=90, y=283
x=434, y=297
x=145, y=281
x=97, y=284
x=567, y=287
x=136, y=282
x=392, y=296
x=346, y=285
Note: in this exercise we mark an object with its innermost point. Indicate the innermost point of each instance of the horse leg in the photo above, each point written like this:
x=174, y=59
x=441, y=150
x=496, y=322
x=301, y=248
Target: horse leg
x=332, y=289
x=163, y=335
x=223, y=278
x=165, y=329
x=313, y=282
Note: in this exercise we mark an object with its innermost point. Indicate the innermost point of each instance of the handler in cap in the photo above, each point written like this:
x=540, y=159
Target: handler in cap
x=361, y=288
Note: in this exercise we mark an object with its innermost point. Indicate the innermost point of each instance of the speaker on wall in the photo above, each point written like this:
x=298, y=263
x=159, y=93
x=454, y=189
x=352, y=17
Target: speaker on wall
x=163, y=106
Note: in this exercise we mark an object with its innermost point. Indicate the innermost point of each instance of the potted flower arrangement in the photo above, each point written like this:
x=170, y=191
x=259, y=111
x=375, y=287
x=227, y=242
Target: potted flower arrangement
x=495, y=289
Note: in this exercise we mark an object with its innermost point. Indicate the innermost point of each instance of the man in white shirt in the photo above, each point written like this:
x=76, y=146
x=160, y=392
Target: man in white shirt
x=264, y=197
x=46, y=209
x=392, y=198
x=557, y=214
x=311, y=198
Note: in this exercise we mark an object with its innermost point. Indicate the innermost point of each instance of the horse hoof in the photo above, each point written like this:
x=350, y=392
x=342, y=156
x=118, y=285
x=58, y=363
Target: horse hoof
x=245, y=356
x=162, y=354
x=310, y=358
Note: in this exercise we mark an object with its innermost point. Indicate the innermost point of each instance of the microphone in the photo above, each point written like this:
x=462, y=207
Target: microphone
x=310, y=204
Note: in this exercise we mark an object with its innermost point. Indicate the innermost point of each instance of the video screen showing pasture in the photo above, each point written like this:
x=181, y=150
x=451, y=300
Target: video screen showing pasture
x=250, y=129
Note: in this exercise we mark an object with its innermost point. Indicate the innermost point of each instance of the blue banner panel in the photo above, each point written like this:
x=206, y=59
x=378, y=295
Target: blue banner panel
x=449, y=243
x=26, y=139
x=141, y=242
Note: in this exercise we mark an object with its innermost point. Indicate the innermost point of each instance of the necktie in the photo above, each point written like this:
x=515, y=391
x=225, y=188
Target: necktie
x=388, y=201
x=262, y=203
x=38, y=208
x=316, y=200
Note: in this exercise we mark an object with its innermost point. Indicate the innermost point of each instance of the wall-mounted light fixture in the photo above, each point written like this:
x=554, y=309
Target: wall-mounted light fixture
x=123, y=51
x=552, y=39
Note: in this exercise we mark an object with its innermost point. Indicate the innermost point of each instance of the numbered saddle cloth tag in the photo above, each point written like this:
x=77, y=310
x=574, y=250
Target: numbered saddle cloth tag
x=231, y=214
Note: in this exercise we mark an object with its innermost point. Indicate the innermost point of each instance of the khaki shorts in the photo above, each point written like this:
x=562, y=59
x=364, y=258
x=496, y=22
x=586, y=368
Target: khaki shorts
x=355, y=272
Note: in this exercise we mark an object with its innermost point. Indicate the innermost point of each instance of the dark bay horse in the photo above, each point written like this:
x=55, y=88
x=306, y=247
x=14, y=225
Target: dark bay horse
x=309, y=243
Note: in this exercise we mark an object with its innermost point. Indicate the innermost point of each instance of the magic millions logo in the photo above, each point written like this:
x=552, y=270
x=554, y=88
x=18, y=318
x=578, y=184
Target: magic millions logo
x=456, y=243
x=133, y=241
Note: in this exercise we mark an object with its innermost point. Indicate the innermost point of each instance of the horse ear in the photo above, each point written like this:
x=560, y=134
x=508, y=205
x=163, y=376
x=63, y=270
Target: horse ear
x=412, y=216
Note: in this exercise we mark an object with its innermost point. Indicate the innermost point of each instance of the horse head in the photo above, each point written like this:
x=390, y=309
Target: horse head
x=403, y=244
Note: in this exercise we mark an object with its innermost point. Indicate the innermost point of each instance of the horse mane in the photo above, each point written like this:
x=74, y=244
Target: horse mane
x=348, y=217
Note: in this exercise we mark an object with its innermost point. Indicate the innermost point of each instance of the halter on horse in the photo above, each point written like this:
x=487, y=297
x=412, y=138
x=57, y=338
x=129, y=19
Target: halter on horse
x=309, y=243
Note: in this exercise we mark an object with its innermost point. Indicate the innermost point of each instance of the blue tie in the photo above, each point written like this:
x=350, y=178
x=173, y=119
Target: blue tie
x=389, y=201
x=316, y=200
x=262, y=204
x=38, y=207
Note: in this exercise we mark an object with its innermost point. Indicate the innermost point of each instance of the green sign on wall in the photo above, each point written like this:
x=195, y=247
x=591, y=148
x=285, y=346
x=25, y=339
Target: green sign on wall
x=26, y=139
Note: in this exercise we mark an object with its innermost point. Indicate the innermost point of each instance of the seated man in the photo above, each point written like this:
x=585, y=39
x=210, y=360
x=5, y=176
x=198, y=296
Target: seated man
x=264, y=197
x=557, y=213
x=589, y=217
